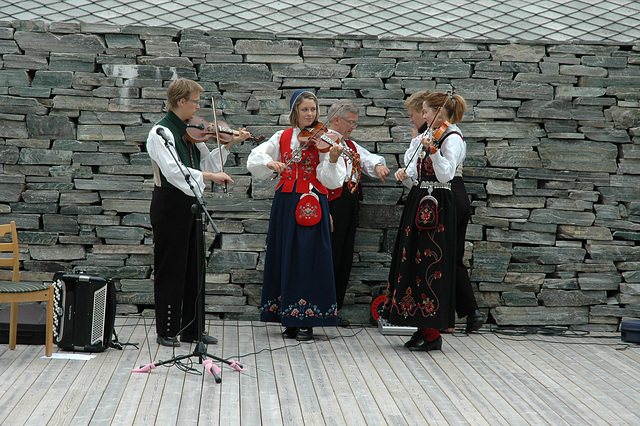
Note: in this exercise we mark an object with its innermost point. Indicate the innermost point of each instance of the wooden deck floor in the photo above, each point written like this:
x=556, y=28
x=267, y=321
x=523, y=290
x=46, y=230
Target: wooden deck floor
x=354, y=376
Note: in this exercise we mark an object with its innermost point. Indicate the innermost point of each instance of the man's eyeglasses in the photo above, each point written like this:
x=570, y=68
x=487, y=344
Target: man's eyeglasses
x=353, y=124
x=195, y=102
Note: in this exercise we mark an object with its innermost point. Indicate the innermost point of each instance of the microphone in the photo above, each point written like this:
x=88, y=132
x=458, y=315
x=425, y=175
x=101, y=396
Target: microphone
x=196, y=126
x=163, y=134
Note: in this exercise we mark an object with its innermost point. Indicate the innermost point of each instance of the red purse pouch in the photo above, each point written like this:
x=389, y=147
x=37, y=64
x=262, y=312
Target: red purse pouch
x=427, y=214
x=308, y=211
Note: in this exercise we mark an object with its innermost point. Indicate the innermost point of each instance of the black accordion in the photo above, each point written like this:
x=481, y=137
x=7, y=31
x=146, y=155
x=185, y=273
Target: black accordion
x=84, y=312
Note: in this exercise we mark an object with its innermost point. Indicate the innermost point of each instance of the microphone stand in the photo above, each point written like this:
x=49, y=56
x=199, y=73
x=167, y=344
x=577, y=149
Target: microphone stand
x=199, y=210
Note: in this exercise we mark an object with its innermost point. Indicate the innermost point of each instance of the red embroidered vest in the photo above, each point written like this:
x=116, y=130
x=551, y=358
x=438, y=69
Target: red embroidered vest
x=303, y=171
x=336, y=193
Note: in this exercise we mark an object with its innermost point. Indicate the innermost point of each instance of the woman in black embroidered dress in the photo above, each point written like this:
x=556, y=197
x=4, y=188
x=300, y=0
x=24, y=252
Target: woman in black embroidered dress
x=422, y=277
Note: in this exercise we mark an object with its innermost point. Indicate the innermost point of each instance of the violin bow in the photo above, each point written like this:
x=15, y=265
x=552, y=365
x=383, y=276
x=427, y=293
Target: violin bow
x=433, y=120
x=215, y=123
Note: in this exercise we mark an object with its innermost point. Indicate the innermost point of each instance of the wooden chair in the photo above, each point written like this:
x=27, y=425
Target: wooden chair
x=15, y=292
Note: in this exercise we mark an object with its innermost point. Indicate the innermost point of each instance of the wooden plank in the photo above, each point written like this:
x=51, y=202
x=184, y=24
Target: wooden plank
x=329, y=406
x=288, y=402
x=170, y=400
x=249, y=395
x=353, y=377
x=335, y=358
x=495, y=369
x=588, y=406
x=264, y=370
x=303, y=384
x=133, y=395
x=211, y=398
x=397, y=379
x=16, y=370
x=152, y=383
x=230, y=386
x=612, y=395
x=97, y=378
x=424, y=368
x=487, y=393
x=51, y=380
x=548, y=383
x=364, y=398
x=370, y=377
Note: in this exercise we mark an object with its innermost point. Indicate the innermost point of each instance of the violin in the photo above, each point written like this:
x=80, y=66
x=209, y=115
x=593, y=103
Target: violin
x=317, y=134
x=436, y=135
x=199, y=130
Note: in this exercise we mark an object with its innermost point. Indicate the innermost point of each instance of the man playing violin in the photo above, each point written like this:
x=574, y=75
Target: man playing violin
x=344, y=202
x=173, y=222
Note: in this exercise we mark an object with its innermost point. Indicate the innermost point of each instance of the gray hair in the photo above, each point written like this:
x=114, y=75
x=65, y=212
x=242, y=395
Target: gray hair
x=347, y=107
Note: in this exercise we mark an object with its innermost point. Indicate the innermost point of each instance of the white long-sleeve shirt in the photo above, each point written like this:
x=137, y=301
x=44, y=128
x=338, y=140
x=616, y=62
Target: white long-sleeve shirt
x=445, y=161
x=331, y=175
x=368, y=161
x=160, y=155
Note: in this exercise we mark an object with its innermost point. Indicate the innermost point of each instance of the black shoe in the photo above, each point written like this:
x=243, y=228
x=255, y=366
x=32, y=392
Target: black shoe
x=414, y=338
x=290, y=332
x=343, y=322
x=423, y=344
x=474, y=321
x=304, y=334
x=206, y=339
x=168, y=341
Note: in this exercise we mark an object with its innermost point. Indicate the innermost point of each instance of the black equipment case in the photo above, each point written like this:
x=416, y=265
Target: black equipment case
x=630, y=331
x=84, y=312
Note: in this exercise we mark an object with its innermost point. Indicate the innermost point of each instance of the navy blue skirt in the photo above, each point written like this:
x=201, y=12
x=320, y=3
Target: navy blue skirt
x=298, y=288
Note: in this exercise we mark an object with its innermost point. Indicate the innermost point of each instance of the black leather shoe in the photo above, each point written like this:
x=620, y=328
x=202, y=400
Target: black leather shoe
x=423, y=344
x=290, y=332
x=474, y=321
x=304, y=334
x=413, y=340
x=343, y=322
x=168, y=341
x=206, y=339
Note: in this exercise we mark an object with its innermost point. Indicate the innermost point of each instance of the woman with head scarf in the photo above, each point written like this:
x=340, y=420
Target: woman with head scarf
x=298, y=287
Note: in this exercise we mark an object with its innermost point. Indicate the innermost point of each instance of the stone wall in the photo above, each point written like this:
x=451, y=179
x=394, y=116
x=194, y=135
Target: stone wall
x=553, y=164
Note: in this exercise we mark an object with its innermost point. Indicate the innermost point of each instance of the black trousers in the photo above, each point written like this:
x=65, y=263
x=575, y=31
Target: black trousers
x=344, y=211
x=175, y=263
x=465, y=299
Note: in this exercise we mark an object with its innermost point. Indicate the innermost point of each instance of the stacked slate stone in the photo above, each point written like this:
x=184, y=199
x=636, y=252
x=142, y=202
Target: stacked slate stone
x=553, y=163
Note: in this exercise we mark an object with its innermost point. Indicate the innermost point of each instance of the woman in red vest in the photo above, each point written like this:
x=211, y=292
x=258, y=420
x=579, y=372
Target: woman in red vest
x=298, y=288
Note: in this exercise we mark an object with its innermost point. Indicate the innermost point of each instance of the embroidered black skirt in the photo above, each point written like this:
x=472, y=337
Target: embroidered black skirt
x=421, y=286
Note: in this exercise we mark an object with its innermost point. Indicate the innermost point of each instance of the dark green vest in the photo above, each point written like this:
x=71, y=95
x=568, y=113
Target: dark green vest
x=187, y=151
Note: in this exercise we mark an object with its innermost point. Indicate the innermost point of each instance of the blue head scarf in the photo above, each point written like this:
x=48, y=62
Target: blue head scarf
x=294, y=97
